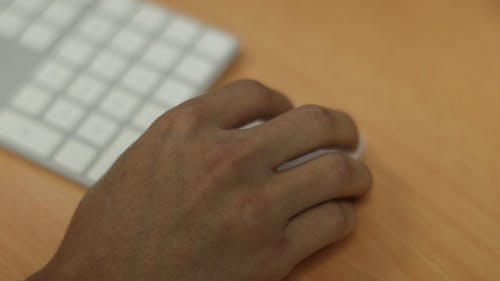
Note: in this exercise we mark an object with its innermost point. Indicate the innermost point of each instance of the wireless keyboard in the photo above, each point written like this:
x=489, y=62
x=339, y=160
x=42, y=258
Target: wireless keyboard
x=80, y=80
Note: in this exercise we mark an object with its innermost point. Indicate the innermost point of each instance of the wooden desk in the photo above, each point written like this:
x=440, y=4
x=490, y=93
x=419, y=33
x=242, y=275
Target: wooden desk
x=422, y=79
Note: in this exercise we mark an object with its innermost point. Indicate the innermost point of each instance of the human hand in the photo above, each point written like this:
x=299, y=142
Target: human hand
x=197, y=199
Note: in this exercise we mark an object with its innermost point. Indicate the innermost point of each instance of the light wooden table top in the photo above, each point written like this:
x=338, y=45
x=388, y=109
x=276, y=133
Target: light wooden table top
x=421, y=78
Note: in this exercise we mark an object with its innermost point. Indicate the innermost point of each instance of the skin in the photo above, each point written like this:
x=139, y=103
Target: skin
x=197, y=199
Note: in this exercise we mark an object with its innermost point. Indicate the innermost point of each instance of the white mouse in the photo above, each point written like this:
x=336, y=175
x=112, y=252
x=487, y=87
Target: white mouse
x=306, y=157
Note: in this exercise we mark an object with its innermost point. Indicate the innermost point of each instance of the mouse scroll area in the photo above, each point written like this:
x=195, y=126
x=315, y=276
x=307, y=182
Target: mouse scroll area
x=356, y=154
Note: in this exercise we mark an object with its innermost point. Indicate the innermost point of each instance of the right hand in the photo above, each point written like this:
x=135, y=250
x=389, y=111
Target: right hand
x=196, y=199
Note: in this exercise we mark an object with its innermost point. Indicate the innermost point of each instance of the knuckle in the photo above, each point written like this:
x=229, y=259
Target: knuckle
x=251, y=84
x=186, y=115
x=225, y=155
x=340, y=217
x=255, y=206
x=251, y=207
x=265, y=97
x=262, y=93
x=319, y=115
x=340, y=165
x=231, y=151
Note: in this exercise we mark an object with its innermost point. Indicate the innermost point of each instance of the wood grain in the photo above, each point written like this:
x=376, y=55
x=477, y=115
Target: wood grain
x=422, y=80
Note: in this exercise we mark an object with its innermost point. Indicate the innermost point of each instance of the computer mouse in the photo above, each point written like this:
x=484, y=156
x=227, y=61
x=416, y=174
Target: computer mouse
x=356, y=154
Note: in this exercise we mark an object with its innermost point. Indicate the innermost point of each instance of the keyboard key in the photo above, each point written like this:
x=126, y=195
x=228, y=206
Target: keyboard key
x=39, y=36
x=140, y=79
x=86, y=89
x=75, y=156
x=97, y=29
x=147, y=115
x=174, y=92
x=75, y=51
x=61, y=13
x=27, y=134
x=128, y=42
x=117, y=9
x=31, y=99
x=64, y=114
x=54, y=75
x=216, y=44
x=119, y=104
x=161, y=55
x=114, y=150
x=150, y=17
x=80, y=3
x=108, y=65
x=97, y=129
x=29, y=6
x=195, y=70
x=182, y=30
x=11, y=23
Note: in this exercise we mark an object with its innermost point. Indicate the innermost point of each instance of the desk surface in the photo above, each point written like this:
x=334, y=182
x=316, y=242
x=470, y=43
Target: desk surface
x=422, y=80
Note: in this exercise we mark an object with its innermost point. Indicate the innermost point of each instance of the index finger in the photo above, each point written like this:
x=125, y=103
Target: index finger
x=244, y=101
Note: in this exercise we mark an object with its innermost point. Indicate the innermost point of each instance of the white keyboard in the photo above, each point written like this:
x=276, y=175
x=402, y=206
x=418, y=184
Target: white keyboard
x=80, y=80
